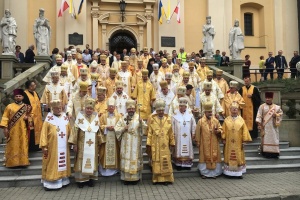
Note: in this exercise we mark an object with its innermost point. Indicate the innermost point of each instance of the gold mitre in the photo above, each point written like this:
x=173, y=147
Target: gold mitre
x=145, y=50
x=94, y=64
x=155, y=66
x=210, y=73
x=132, y=50
x=95, y=76
x=102, y=57
x=191, y=64
x=169, y=57
x=130, y=103
x=181, y=90
x=124, y=63
x=83, y=86
x=233, y=84
x=140, y=61
x=164, y=60
x=54, y=73
x=78, y=56
x=101, y=90
x=163, y=84
x=64, y=68
x=111, y=101
x=89, y=102
x=168, y=75
x=219, y=72
x=55, y=103
x=208, y=106
x=234, y=105
x=58, y=57
x=112, y=70
x=186, y=74
x=126, y=58
x=83, y=71
x=145, y=72
x=183, y=101
x=160, y=104
x=207, y=86
x=178, y=59
x=175, y=66
x=119, y=84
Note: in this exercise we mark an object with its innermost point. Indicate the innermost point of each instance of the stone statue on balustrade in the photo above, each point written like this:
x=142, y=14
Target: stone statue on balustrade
x=42, y=33
x=236, y=41
x=8, y=33
x=208, y=31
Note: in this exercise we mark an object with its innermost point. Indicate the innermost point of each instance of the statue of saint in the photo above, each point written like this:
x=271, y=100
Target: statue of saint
x=236, y=41
x=8, y=33
x=209, y=34
x=42, y=33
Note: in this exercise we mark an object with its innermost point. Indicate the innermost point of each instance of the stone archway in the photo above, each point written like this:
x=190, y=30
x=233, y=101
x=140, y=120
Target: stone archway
x=122, y=39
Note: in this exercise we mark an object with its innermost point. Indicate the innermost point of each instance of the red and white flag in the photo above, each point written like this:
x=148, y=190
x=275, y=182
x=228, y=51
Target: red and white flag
x=64, y=6
x=177, y=11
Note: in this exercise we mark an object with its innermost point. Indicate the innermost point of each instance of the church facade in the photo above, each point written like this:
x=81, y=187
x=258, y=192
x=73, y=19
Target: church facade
x=268, y=25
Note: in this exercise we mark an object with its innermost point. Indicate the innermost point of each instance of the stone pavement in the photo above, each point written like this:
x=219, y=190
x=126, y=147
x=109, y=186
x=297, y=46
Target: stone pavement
x=285, y=185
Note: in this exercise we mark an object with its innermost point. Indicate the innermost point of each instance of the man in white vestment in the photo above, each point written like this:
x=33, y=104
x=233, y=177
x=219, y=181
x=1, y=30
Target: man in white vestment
x=165, y=94
x=121, y=98
x=125, y=75
x=174, y=106
x=156, y=76
x=216, y=90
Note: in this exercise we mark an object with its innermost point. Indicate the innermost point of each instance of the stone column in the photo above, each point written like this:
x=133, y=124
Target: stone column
x=237, y=68
x=141, y=38
x=104, y=37
x=149, y=28
x=7, y=66
x=211, y=62
x=95, y=15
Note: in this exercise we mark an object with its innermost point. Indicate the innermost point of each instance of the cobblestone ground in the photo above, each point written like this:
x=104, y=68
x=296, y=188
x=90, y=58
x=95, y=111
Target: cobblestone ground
x=253, y=186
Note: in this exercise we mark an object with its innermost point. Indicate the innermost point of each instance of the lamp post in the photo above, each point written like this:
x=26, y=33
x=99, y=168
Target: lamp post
x=122, y=5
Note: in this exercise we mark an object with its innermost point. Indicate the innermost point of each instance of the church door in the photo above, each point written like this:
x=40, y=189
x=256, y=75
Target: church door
x=121, y=40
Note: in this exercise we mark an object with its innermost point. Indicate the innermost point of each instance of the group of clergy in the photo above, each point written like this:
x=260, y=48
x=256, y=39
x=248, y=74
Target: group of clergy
x=101, y=111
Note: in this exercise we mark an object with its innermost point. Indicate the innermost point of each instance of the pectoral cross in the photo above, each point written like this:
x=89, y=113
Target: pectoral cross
x=80, y=121
x=58, y=129
x=90, y=142
x=62, y=135
x=184, y=123
x=127, y=120
x=55, y=92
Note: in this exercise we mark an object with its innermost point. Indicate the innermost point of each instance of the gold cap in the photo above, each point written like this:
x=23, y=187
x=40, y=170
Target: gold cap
x=119, y=84
x=124, y=63
x=175, y=66
x=78, y=56
x=101, y=90
x=163, y=84
x=208, y=106
x=89, y=102
x=111, y=101
x=83, y=71
x=207, y=86
x=132, y=50
x=94, y=64
x=130, y=103
x=233, y=84
x=112, y=70
x=210, y=73
x=168, y=75
x=145, y=49
x=234, y=105
x=155, y=66
x=64, y=68
x=55, y=103
x=186, y=74
x=178, y=59
x=191, y=64
x=160, y=104
x=219, y=72
x=126, y=58
x=169, y=57
x=140, y=61
x=182, y=101
x=164, y=60
x=58, y=57
x=102, y=57
x=145, y=72
x=95, y=76
x=181, y=90
x=83, y=86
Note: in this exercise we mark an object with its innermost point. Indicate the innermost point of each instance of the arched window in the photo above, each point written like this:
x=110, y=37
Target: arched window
x=248, y=24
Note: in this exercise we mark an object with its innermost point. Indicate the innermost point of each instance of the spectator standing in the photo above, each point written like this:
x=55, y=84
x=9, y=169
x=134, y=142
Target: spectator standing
x=262, y=67
x=19, y=54
x=293, y=63
x=269, y=66
x=29, y=54
x=281, y=64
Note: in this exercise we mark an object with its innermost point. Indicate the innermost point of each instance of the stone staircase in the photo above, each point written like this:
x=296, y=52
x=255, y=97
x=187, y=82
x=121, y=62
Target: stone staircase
x=289, y=161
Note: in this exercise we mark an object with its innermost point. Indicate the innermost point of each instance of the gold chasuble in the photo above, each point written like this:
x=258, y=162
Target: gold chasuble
x=54, y=92
x=159, y=138
x=16, y=152
x=100, y=107
x=144, y=93
x=235, y=133
x=109, y=151
x=229, y=98
x=36, y=114
x=54, y=137
x=248, y=114
x=86, y=136
x=208, y=142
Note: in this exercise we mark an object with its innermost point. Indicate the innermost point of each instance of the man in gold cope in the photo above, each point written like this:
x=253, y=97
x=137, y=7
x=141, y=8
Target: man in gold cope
x=145, y=95
x=232, y=96
x=235, y=134
x=54, y=143
x=208, y=134
x=85, y=138
x=109, y=154
x=160, y=138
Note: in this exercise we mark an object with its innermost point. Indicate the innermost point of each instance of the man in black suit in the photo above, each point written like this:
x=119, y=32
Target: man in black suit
x=19, y=54
x=224, y=59
x=293, y=63
x=281, y=64
x=269, y=66
x=124, y=54
x=29, y=54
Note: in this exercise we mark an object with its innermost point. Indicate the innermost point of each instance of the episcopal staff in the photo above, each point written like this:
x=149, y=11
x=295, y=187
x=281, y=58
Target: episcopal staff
x=56, y=152
x=14, y=126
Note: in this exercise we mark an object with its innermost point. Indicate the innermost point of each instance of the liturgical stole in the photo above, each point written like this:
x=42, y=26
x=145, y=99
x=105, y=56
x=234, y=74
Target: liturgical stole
x=248, y=107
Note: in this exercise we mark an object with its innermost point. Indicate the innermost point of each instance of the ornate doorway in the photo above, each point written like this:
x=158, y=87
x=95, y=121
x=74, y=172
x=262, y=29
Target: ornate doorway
x=122, y=40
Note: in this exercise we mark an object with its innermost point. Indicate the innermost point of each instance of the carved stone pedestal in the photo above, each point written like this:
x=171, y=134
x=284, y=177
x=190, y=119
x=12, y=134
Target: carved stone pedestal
x=237, y=67
x=211, y=62
x=43, y=59
x=7, y=64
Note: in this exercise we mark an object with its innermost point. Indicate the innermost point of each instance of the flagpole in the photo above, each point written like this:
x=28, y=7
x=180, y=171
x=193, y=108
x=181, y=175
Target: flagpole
x=174, y=10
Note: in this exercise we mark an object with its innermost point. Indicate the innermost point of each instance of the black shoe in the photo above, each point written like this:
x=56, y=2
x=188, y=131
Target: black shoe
x=80, y=185
x=46, y=189
x=165, y=183
x=126, y=182
x=134, y=182
x=178, y=168
x=154, y=183
x=91, y=183
x=240, y=177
